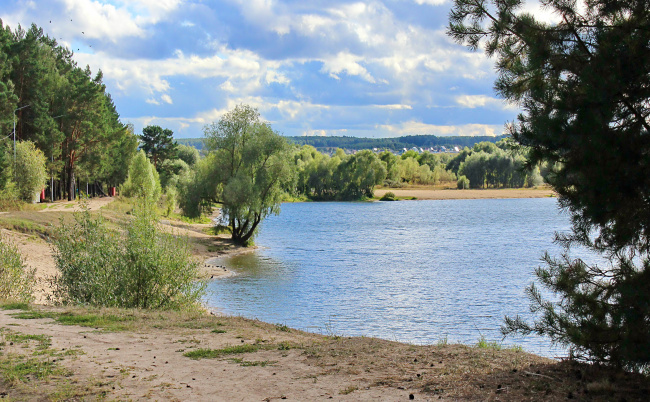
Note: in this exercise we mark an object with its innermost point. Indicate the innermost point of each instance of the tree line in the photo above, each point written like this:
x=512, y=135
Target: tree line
x=64, y=111
x=359, y=143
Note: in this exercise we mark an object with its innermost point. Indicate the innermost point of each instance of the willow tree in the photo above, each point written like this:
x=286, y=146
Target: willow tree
x=251, y=164
x=583, y=83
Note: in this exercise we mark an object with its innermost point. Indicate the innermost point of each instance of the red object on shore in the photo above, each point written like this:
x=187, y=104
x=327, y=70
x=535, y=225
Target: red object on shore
x=42, y=195
x=111, y=191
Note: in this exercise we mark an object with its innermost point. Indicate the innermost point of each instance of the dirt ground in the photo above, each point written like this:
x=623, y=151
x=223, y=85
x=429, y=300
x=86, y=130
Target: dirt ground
x=141, y=355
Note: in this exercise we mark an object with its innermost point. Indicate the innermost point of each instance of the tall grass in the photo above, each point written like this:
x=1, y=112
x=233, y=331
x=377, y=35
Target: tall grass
x=139, y=267
x=16, y=280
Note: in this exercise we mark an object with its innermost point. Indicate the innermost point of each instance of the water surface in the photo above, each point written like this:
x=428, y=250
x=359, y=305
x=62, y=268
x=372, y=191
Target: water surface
x=416, y=271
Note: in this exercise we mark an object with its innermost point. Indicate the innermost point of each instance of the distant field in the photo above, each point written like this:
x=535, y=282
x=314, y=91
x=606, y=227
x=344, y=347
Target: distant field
x=431, y=193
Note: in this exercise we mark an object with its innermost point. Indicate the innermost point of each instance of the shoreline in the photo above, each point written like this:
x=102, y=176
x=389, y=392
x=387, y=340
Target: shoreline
x=428, y=193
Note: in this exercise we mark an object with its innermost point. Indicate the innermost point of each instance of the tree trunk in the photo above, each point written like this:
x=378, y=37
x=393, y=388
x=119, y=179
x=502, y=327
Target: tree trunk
x=71, y=183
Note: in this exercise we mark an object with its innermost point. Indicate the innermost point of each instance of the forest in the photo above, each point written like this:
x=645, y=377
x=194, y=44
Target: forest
x=358, y=143
x=65, y=113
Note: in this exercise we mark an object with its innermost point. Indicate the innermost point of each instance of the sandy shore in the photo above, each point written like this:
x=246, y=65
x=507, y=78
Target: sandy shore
x=454, y=194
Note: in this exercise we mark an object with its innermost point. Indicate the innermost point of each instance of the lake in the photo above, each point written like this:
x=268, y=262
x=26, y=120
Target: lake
x=411, y=271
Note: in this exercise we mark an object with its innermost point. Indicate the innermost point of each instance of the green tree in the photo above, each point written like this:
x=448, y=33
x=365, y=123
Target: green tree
x=584, y=86
x=188, y=154
x=30, y=170
x=158, y=144
x=143, y=180
x=251, y=167
x=360, y=173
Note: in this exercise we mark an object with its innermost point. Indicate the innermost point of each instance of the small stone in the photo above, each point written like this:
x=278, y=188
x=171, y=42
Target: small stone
x=411, y=396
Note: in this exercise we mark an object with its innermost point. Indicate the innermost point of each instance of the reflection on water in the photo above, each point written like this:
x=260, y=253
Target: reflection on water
x=414, y=271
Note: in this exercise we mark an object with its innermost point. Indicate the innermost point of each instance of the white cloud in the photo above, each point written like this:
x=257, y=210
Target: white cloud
x=264, y=13
x=415, y=127
x=314, y=133
x=245, y=72
x=483, y=101
x=166, y=98
x=348, y=63
x=431, y=2
x=394, y=107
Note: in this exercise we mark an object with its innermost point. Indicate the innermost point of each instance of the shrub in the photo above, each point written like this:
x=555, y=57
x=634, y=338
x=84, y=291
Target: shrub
x=16, y=280
x=169, y=204
x=389, y=196
x=30, y=168
x=143, y=268
x=462, y=183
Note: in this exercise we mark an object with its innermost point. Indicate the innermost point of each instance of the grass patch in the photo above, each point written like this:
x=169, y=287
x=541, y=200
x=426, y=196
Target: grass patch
x=32, y=315
x=27, y=226
x=43, y=341
x=256, y=363
x=214, y=353
x=18, y=368
x=348, y=390
x=109, y=322
x=218, y=331
x=282, y=328
x=15, y=306
x=485, y=344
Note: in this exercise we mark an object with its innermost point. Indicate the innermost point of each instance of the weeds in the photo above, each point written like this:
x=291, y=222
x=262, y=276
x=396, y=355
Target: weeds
x=214, y=353
x=16, y=280
x=485, y=344
x=244, y=363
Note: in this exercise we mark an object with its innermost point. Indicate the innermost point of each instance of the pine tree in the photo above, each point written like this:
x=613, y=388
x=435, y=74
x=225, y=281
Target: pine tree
x=158, y=144
x=584, y=86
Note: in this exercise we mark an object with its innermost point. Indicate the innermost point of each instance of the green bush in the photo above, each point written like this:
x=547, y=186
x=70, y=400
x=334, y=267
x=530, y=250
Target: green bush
x=142, y=267
x=16, y=280
x=389, y=196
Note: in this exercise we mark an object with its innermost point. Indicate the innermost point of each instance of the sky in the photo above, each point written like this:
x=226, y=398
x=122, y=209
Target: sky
x=378, y=68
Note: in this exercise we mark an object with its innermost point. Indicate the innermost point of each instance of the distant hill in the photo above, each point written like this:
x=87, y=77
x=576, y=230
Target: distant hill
x=396, y=143
x=191, y=142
